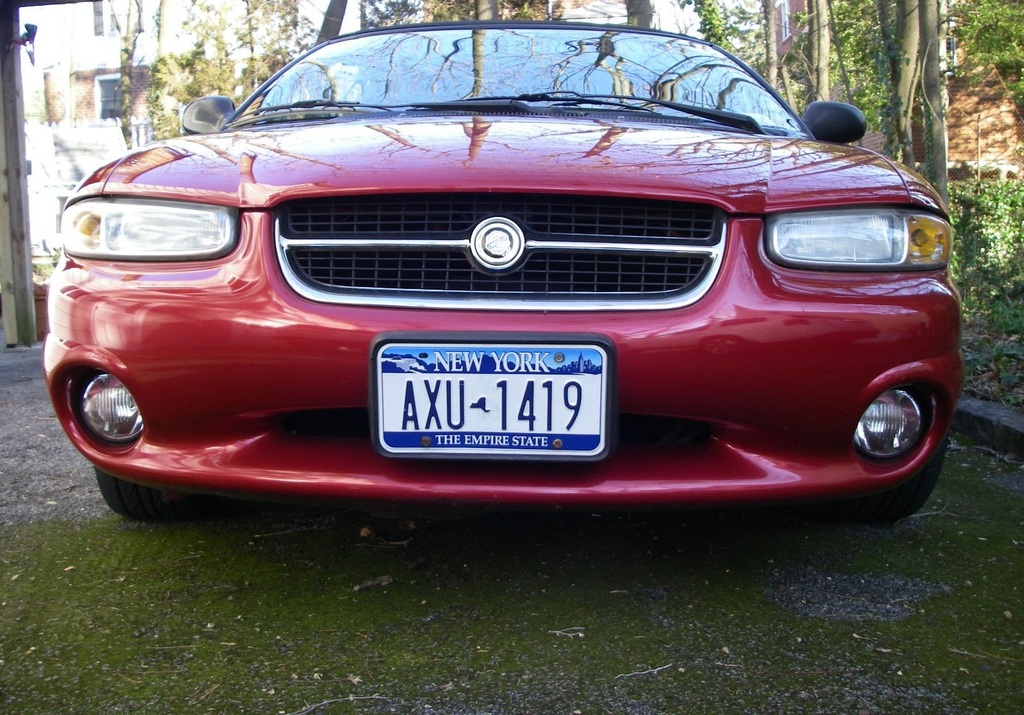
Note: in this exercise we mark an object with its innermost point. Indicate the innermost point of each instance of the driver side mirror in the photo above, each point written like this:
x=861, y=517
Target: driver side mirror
x=836, y=122
x=206, y=115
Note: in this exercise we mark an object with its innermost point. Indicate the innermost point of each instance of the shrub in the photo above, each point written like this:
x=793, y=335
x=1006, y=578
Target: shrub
x=988, y=262
x=988, y=266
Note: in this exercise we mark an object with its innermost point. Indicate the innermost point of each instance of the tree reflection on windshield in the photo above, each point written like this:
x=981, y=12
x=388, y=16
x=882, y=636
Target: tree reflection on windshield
x=431, y=65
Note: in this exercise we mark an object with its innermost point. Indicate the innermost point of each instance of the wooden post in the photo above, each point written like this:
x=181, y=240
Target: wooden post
x=15, y=248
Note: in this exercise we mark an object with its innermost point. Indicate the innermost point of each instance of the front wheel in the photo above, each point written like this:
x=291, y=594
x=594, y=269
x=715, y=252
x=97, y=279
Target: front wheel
x=140, y=502
x=888, y=506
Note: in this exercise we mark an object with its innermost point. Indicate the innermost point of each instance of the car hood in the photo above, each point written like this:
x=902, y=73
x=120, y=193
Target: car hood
x=416, y=153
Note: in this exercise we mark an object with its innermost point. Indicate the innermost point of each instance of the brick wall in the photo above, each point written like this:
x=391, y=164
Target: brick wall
x=784, y=43
x=984, y=124
x=84, y=89
x=53, y=94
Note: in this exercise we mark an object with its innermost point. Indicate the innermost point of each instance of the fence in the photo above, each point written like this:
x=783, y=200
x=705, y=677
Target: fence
x=142, y=131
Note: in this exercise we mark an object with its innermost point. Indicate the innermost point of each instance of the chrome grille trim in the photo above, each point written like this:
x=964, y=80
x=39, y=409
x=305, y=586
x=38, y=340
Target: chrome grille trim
x=613, y=272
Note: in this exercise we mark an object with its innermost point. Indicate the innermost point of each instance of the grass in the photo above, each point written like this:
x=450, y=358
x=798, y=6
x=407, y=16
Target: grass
x=292, y=611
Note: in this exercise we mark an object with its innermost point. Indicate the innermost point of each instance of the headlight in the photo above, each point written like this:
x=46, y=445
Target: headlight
x=859, y=240
x=130, y=229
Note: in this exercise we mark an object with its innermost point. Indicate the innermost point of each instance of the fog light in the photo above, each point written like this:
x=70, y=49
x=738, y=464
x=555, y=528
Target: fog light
x=890, y=426
x=109, y=410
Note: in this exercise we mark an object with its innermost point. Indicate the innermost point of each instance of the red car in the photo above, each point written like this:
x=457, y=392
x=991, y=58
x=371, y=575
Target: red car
x=524, y=265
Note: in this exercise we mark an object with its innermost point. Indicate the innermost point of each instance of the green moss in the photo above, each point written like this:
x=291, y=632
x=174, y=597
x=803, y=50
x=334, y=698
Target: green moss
x=667, y=612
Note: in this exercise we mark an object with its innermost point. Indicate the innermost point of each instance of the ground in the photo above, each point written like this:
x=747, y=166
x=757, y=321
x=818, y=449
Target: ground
x=995, y=366
x=292, y=610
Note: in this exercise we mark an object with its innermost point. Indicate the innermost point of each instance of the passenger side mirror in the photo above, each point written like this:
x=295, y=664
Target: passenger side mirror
x=835, y=122
x=206, y=115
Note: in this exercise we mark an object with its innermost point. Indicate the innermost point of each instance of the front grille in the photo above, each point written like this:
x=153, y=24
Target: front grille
x=454, y=215
x=416, y=248
x=555, y=274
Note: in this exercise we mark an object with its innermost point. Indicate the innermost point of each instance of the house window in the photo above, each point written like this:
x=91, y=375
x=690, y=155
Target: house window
x=785, y=21
x=102, y=22
x=108, y=97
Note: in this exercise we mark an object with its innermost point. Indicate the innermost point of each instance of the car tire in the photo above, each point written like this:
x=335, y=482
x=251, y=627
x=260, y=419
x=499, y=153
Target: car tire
x=146, y=503
x=889, y=506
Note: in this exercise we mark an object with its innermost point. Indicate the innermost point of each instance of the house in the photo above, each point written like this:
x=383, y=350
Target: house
x=76, y=77
x=786, y=25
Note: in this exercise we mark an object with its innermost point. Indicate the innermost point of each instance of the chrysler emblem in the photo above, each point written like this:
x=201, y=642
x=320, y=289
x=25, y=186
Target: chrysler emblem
x=497, y=244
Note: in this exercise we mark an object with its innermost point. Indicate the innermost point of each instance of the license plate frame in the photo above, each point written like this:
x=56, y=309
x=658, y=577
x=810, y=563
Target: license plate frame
x=440, y=396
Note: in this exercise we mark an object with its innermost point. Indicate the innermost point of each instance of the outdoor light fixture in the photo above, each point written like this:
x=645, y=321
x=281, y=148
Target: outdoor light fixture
x=27, y=39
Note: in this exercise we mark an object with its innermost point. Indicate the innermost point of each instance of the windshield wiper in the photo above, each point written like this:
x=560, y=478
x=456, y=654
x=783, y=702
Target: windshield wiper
x=327, y=104
x=285, y=112
x=556, y=103
x=526, y=103
x=721, y=116
x=562, y=99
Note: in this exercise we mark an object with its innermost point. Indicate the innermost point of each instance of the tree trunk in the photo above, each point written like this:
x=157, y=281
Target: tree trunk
x=843, y=76
x=905, y=66
x=771, y=53
x=166, y=23
x=129, y=32
x=819, y=46
x=486, y=9
x=933, y=42
x=164, y=104
x=333, y=15
x=640, y=13
x=787, y=85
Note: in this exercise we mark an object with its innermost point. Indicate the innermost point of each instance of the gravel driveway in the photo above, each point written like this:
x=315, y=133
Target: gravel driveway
x=43, y=476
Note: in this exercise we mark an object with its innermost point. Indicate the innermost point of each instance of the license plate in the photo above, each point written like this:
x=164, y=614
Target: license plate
x=483, y=400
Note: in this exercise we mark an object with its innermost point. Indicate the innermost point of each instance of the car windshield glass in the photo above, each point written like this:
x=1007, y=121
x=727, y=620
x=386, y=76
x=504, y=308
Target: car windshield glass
x=429, y=65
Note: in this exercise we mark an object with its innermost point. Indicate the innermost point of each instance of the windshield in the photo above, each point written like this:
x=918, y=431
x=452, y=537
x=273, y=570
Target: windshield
x=429, y=65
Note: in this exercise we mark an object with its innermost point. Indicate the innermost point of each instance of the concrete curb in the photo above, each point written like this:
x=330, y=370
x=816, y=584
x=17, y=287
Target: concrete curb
x=990, y=424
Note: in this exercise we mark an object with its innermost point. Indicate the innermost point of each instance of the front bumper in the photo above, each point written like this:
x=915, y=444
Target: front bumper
x=774, y=365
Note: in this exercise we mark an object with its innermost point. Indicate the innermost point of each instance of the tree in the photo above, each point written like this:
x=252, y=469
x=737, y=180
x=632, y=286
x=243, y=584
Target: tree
x=891, y=56
x=128, y=28
x=382, y=13
x=236, y=47
x=443, y=10
x=819, y=44
x=771, y=57
x=161, y=102
x=915, y=36
x=990, y=37
x=640, y=13
x=933, y=85
x=714, y=25
x=164, y=26
x=486, y=9
x=902, y=33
